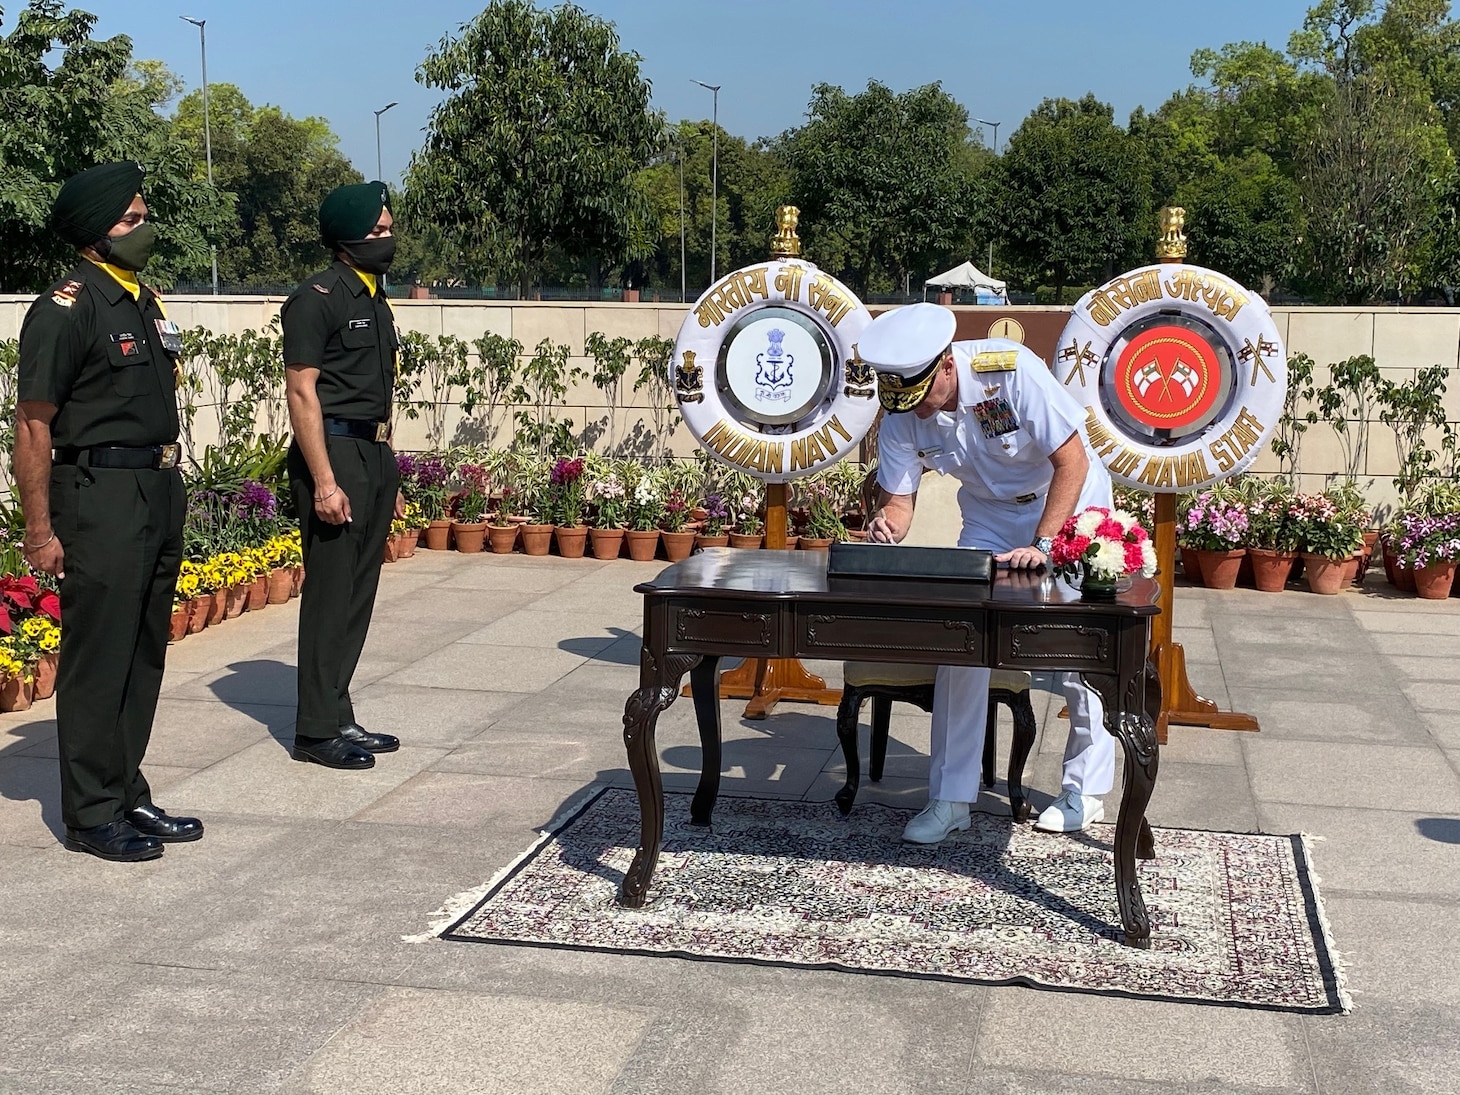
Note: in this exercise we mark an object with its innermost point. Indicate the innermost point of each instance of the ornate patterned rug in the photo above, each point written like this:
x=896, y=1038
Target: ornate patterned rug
x=1235, y=917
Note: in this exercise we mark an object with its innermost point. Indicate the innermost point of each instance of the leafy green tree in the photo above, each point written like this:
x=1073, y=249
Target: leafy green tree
x=884, y=182
x=279, y=169
x=537, y=146
x=1074, y=195
x=68, y=102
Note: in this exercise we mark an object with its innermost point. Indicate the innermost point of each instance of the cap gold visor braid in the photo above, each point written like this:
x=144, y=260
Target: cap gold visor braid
x=898, y=393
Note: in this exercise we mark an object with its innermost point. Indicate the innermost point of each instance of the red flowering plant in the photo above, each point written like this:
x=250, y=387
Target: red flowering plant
x=21, y=598
x=566, y=489
x=1105, y=543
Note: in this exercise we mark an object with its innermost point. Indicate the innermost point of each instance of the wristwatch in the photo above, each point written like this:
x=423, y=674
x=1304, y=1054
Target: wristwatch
x=1044, y=544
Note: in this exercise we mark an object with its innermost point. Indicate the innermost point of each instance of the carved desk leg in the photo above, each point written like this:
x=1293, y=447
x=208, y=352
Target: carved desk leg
x=704, y=683
x=658, y=685
x=1129, y=717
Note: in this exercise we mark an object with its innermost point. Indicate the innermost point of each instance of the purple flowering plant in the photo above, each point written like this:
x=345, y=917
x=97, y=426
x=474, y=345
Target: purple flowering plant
x=1213, y=522
x=1425, y=540
x=717, y=514
x=676, y=512
x=471, y=501
x=431, y=477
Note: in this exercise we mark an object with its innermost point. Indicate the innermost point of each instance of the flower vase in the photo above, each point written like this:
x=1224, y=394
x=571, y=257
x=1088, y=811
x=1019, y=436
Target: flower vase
x=1270, y=569
x=1219, y=568
x=1325, y=575
x=677, y=545
x=438, y=535
x=1096, y=585
x=572, y=540
x=642, y=544
x=281, y=582
x=177, y=628
x=469, y=536
x=258, y=593
x=606, y=542
x=502, y=538
x=45, y=673
x=15, y=694
x=536, y=539
x=1433, y=582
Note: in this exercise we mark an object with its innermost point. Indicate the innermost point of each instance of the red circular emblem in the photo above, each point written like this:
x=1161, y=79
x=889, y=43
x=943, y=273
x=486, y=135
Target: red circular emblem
x=1167, y=377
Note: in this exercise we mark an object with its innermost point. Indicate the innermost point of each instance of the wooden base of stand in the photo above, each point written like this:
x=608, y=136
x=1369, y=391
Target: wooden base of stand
x=767, y=682
x=1182, y=705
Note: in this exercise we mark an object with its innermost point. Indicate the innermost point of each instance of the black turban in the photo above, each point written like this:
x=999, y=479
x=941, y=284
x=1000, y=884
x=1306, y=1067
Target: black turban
x=90, y=204
x=350, y=212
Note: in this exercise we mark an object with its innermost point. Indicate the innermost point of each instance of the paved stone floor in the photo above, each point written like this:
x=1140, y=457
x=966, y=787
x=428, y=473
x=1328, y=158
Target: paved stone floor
x=270, y=956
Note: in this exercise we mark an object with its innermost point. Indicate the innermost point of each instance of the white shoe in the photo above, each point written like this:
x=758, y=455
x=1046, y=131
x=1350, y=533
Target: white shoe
x=938, y=819
x=1070, y=813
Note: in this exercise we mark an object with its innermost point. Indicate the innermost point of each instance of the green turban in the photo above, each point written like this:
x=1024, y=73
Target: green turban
x=350, y=212
x=90, y=204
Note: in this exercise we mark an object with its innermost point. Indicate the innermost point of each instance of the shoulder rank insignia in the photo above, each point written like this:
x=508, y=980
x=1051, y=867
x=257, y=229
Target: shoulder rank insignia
x=995, y=361
x=318, y=288
x=65, y=296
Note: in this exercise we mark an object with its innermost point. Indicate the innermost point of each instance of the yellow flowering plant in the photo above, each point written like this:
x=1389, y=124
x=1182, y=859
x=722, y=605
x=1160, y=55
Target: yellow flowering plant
x=12, y=664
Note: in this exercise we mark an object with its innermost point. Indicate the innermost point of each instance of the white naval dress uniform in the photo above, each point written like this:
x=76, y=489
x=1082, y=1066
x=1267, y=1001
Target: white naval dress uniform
x=1004, y=468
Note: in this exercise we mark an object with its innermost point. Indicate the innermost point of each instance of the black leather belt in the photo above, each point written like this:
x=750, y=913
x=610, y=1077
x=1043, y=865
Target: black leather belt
x=353, y=427
x=158, y=457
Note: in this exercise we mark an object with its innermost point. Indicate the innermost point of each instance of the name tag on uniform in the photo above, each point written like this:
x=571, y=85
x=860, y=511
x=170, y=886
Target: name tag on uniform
x=170, y=334
x=928, y=454
x=995, y=417
x=359, y=324
x=128, y=343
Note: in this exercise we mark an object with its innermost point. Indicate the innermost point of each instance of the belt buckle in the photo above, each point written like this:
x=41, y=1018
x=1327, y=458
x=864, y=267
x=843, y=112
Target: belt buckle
x=1025, y=499
x=168, y=455
x=382, y=431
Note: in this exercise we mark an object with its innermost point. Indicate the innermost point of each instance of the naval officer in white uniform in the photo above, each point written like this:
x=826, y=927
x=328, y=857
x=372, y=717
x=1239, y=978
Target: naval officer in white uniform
x=989, y=413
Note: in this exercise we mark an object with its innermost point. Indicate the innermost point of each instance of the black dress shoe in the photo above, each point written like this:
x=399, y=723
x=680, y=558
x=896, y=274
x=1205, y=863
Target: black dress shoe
x=332, y=753
x=152, y=820
x=118, y=841
x=376, y=743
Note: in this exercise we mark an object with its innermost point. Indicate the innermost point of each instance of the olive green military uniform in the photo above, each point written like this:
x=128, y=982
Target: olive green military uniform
x=333, y=323
x=98, y=355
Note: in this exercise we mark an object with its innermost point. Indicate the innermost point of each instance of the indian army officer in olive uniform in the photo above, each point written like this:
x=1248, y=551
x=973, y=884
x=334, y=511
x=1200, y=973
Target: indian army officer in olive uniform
x=96, y=461
x=340, y=348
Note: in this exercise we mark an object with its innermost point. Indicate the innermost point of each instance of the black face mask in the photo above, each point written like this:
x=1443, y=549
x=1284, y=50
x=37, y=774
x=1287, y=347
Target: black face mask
x=370, y=255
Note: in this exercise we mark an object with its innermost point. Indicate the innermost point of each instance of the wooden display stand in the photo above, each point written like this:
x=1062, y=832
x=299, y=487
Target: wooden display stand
x=765, y=682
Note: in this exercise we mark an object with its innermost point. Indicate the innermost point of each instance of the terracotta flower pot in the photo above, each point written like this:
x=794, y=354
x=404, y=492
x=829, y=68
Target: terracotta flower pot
x=791, y=542
x=177, y=627
x=606, y=542
x=857, y=534
x=406, y=543
x=235, y=602
x=1433, y=582
x=45, y=672
x=15, y=694
x=746, y=539
x=438, y=535
x=1219, y=568
x=502, y=538
x=816, y=543
x=1270, y=569
x=1401, y=577
x=469, y=537
x=712, y=541
x=642, y=545
x=258, y=593
x=537, y=539
x=281, y=582
x=218, y=610
x=198, y=609
x=677, y=545
x=388, y=553
x=572, y=540
x=1325, y=575
x=1190, y=564
x=1351, y=567
x=298, y=581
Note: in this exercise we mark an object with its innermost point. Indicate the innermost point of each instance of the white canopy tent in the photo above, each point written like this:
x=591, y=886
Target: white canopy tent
x=967, y=276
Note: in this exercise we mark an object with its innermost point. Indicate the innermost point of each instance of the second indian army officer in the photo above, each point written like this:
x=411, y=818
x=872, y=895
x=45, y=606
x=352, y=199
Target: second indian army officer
x=96, y=458
x=990, y=414
x=340, y=351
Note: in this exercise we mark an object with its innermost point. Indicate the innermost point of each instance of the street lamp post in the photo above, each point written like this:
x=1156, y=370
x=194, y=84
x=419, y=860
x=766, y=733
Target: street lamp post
x=682, y=282
x=379, y=173
x=201, y=24
x=995, y=127
x=714, y=90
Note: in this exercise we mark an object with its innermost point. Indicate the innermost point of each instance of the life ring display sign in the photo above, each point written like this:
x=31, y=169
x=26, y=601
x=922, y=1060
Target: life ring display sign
x=1182, y=374
x=766, y=370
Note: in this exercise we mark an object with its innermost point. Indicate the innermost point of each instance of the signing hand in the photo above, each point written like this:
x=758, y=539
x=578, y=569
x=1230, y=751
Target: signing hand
x=332, y=506
x=879, y=530
x=1023, y=558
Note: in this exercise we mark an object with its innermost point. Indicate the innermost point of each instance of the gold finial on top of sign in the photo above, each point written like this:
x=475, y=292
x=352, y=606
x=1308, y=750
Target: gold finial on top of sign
x=1171, y=246
x=785, y=244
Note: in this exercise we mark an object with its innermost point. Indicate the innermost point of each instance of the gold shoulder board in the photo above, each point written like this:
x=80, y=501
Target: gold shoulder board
x=995, y=361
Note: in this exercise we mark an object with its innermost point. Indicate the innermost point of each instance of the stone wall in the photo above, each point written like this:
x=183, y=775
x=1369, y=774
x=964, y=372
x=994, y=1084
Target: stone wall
x=1401, y=341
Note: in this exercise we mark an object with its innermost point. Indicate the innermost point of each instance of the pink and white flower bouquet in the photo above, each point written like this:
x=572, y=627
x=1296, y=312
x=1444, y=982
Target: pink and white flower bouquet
x=1105, y=544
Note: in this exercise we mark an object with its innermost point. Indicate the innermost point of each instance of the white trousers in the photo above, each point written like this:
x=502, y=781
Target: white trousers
x=961, y=693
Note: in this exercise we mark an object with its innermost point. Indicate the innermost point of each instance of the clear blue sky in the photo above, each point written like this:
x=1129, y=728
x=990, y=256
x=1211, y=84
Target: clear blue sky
x=343, y=60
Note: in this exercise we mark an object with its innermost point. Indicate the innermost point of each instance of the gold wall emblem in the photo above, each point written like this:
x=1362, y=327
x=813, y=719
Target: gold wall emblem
x=785, y=244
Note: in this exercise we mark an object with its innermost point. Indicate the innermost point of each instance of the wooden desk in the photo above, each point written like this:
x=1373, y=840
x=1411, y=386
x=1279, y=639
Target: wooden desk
x=725, y=602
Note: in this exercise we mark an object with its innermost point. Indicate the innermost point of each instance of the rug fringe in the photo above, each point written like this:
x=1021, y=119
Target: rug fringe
x=1340, y=966
x=458, y=905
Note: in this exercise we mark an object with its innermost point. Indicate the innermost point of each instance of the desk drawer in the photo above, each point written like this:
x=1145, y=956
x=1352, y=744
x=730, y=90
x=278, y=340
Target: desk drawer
x=873, y=633
x=727, y=628
x=1044, y=639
